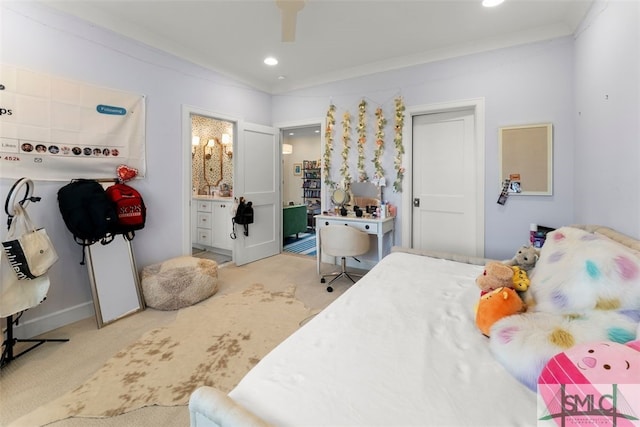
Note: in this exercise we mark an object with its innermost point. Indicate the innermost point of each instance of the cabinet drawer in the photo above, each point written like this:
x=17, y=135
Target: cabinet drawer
x=204, y=220
x=203, y=236
x=204, y=206
x=367, y=227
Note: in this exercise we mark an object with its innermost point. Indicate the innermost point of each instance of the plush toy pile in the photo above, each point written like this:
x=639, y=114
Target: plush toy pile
x=584, y=288
x=501, y=287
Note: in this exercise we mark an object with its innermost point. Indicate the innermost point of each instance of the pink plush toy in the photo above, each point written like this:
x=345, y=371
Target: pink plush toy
x=591, y=374
x=603, y=362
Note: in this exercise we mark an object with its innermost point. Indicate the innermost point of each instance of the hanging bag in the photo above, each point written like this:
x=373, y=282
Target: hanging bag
x=243, y=215
x=130, y=209
x=87, y=211
x=19, y=295
x=29, y=250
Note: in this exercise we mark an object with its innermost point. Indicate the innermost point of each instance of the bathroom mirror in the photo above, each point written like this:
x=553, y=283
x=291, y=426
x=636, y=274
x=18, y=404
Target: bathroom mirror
x=212, y=163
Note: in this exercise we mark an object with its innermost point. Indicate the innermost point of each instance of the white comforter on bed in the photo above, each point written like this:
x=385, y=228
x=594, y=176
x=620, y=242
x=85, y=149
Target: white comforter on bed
x=400, y=348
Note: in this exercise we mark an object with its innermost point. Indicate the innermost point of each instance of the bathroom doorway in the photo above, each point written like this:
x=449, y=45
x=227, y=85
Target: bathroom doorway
x=212, y=187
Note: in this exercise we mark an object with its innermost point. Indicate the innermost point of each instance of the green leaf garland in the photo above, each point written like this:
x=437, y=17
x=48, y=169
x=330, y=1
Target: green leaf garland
x=397, y=139
x=381, y=122
x=328, y=146
x=362, y=140
x=346, y=142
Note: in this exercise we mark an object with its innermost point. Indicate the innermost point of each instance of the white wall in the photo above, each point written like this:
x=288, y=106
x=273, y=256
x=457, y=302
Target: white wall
x=520, y=85
x=607, y=117
x=35, y=37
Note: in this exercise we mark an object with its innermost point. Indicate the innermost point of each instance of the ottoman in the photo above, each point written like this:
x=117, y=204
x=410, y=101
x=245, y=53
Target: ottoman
x=179, y=282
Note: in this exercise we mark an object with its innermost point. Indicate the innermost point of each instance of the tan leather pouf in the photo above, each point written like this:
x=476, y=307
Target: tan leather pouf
x=179, y=282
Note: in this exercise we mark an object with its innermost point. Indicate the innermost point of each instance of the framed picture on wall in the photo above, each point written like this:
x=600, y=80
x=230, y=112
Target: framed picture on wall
x=526, y=158
x=297, y=169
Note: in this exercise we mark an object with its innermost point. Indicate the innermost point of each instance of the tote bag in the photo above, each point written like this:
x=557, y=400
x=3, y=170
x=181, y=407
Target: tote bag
x=29, y=250
x=18, y=295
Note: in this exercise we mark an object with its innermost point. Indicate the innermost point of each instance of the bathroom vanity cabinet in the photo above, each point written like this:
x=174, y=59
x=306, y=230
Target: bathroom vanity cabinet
x=211, y=223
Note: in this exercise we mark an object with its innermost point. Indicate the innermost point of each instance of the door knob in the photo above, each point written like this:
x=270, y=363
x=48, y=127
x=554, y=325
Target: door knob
x=416, y=202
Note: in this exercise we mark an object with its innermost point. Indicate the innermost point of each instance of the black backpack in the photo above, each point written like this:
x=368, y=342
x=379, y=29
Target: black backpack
x=244, y=216
x=87, y=212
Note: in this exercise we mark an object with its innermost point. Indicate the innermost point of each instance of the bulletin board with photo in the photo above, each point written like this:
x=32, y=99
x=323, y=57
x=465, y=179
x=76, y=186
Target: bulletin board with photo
x=526, y=158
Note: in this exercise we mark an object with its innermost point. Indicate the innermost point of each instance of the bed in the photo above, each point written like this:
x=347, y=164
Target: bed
x=401, y=348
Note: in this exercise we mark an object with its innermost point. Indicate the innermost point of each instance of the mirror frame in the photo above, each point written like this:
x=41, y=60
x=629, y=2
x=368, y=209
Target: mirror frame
x=345, y=197
x=210, y=158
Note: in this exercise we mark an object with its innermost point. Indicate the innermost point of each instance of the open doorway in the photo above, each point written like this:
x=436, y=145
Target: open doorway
x=212, y=188
x=255, y=153
x=301, y=187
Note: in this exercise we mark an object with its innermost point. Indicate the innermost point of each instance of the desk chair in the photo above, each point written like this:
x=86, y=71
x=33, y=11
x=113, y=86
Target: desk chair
x=342, y=241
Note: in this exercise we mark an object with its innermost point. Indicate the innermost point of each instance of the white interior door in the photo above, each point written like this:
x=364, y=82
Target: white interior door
x=445, y=183
x=256, y=159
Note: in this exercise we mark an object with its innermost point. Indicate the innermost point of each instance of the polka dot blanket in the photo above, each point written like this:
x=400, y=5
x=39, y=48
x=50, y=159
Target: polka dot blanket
x=584, y=288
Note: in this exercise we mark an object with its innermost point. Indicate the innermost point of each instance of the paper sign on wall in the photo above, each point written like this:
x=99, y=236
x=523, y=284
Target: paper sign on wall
x=58, y=129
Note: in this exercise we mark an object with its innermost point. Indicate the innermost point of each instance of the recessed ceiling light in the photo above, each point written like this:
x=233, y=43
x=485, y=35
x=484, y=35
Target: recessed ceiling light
x=291, y=134
x=281, y=77
x=491, y=3
x=270, y=60
x=317, y=131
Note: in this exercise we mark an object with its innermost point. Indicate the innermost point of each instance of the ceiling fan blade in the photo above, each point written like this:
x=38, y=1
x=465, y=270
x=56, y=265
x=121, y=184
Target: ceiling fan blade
x=289, y=10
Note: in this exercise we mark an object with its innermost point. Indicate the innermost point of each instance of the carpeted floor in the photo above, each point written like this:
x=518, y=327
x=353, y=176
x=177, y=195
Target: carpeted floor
x=55, y=369
x=167, y=364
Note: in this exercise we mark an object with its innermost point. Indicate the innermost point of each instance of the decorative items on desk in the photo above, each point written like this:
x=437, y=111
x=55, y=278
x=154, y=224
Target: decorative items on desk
x=386, y=209
x=370, y=211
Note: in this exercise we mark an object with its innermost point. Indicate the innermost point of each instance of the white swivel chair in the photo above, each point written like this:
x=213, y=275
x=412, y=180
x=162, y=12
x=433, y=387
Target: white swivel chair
x=342, y=241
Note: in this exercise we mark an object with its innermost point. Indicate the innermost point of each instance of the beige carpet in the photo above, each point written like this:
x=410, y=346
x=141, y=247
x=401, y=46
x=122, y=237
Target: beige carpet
x=56, y=369
x=168, y=363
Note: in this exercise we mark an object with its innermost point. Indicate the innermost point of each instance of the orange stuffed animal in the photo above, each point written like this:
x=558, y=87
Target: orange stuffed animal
x=495, y=305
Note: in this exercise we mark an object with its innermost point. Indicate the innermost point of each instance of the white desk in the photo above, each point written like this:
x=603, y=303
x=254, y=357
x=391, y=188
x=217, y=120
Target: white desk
x=375, y=226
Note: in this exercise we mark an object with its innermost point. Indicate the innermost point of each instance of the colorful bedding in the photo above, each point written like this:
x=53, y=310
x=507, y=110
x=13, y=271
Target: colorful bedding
x=585, y=288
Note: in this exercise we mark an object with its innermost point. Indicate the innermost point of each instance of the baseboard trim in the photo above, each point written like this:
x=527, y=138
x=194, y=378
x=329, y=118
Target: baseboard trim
x=40, y=325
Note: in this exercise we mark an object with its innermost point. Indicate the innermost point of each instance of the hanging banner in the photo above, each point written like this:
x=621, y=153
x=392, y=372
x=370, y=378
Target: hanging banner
x=56, y=129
